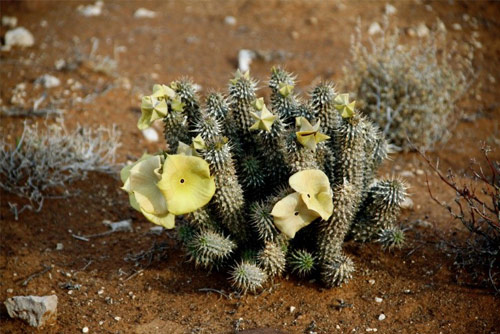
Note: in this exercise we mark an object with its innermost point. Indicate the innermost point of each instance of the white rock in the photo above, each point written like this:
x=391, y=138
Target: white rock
x=419, y=172
x=292, y=309
x=230, y=20
x=117, y=318
x=374, y=28
x=9, y=21
x=381, y=317
x=378, y=300
x=48, y=81
x=422, y=30
x=407, y=173
x=407, y=204
x=456, y=26
x=422, y=223
x=151, y=135
x=60, y=64
x=35, y=310
x=142, y=13
x=371, y=329
x=59, y=246
x=441, y=26
x=19, y=36
x=245, y=58
x=390, y=9
x=85, y=330
x=91, y=10
x=121, y=226
x=371, y=281
x=157, y=230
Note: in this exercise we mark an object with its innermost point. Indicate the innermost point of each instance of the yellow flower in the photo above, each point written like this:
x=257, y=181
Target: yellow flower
x=140, y=181
x=342, y=104
x=291, y=214
x=152, y=109
x=265, y=118
x=186, y=183
x=177, y=104
x=185, y=149
x=309, y=135
x=315, y=191
x=163, y=92
x=285, y=89
x=198, y=143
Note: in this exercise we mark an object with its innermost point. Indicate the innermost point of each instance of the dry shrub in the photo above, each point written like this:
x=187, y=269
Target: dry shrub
x=410, y=90
x=477, y=207
x=44, y=161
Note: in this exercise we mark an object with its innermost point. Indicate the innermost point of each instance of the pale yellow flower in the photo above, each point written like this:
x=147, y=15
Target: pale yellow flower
x=285, y=89
x=343, y=105
x=140, y=181
x=186, y=183
x=291, y=214
x=152, y=109
x=314, y=188
x=264, y=117
x=309, y=135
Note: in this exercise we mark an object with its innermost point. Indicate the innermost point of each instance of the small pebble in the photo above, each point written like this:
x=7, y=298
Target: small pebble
x=19, y=36
x=245, y=58
x=151, y=135
x=292, y=309
x=91, y=10
x=407, y=173
x=371, y=281
x=142, y=13
x=295, y=34
x=9, y=21
x=59, y=246
x=313, y=20
x=101, y=323
x=230, y=20
x=85, y=330
x=371, y=329
x=390, y=9
x=374, y=28
x=407, y=204
x=378, y=300
x=419, y=172
x=10, y=290
x=381, y=317
x=422, y=30
x=456, y=26
x=117, y=318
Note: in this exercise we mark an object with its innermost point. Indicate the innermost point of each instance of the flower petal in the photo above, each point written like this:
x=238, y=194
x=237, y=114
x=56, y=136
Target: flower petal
x=310, y=181
x=321, y=203
x=186, y=183
x=166, y=220
x=291, y=214
x=143, y=178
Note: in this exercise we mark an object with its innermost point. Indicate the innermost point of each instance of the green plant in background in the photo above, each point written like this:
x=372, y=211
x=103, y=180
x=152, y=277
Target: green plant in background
x=266, y=189
x=410, y=91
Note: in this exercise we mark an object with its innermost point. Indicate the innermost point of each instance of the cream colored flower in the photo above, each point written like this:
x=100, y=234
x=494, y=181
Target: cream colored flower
x=264, y=117
x=152, y=109
x=309, y=135
x=343, y=105
x=140, y=181
x=186, y=183
x=291, y=214
x=314, y=188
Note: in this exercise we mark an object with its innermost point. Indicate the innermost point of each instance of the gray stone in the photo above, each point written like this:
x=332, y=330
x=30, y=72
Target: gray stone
x=35, y=310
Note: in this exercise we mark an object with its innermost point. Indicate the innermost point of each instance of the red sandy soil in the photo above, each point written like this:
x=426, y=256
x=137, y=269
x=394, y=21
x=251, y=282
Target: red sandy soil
x=421, y=289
